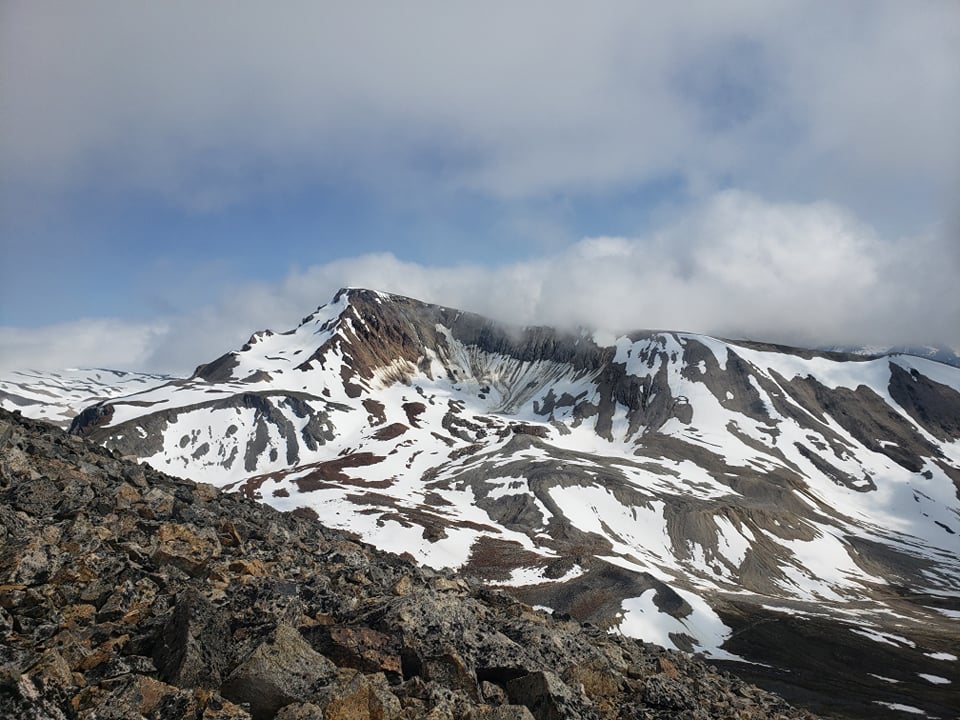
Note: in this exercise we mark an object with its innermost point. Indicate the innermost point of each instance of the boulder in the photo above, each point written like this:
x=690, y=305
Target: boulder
x=360, y=648
x=282, y=670
x=193, y=649
x=546, y=696
x=189, y=548
x=362, y=697
x=662, y=691
x=300, y=711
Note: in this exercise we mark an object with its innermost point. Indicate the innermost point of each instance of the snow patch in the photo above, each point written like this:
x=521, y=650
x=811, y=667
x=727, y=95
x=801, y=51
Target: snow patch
x=883, y=637
x=641, y=619
x=901, y=707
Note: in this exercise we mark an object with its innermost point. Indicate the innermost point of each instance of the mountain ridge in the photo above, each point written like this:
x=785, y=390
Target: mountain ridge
x=672, y=486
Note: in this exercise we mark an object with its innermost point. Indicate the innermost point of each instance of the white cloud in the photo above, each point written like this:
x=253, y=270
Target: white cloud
x=208, y=104
x=113, y=344
x=740, y=266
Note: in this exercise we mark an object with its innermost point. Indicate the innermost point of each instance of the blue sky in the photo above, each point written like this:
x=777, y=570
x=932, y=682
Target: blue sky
x=174, y=175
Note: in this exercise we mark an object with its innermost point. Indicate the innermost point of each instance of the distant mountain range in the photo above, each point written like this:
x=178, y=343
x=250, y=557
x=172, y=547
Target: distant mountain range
x=794, y=514
x=58, y=397
x=940, y=353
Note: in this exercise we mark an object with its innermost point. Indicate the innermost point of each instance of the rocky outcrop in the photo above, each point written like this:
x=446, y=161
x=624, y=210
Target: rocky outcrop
x=125, y=593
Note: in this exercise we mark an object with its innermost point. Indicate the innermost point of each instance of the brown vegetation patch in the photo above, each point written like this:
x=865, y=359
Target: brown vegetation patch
x=390, y=432
x=250, y=488
x=333, y=471
x=434, y=525
x=414, y=410
x=494, y=559
x=535, y=430
x=306, y=513
x=468, y=450
x=376, y=410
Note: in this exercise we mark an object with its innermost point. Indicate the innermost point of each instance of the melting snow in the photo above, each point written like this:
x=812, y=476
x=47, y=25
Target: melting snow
x=642, y=619
x=535, y=576
x=883, y=637
x=902, y=708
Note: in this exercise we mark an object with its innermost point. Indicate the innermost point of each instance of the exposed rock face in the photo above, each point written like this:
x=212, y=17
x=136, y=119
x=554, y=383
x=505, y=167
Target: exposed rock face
x=274, y=616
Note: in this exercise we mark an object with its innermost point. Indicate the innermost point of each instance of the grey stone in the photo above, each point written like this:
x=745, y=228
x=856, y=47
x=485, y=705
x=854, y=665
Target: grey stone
x=280, y=671
x=546, y=695
x=193, y=649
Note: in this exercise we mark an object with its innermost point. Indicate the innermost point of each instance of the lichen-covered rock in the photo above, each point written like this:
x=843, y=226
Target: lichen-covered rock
x=361, y=648
x=193, y=649
x=279, y=671
x=662, y=691
x=186, y=547
x=300, y=711
x=548, y=698
x=505, y=712
x=362, y=697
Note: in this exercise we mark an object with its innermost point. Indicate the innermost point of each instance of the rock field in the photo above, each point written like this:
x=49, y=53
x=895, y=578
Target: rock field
x=125, y=593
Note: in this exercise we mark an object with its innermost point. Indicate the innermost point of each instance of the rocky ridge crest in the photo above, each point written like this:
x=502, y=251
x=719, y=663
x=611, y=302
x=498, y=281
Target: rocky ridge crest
x=126, y=593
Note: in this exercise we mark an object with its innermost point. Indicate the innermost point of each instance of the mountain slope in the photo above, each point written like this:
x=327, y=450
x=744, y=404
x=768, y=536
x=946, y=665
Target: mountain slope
x=57, y=397
x=676, y=487
x=159, y=598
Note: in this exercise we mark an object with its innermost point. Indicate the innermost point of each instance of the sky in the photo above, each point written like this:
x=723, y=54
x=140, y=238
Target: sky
x=177, y=175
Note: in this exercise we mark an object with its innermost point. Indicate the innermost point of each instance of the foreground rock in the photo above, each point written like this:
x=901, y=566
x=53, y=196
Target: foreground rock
x=125, y=593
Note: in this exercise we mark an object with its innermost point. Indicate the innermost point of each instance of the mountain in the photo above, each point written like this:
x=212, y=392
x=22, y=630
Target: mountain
x=58, y=396
x=125, y=593
x=940, y=353
x=789, y=513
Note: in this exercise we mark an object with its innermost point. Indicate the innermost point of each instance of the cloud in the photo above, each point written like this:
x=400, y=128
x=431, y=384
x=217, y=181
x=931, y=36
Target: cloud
x=208, y=106
x=104, y=342
x=739, y=266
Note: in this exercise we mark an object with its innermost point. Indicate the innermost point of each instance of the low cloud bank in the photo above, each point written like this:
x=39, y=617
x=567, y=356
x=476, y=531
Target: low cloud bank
x=740, y=266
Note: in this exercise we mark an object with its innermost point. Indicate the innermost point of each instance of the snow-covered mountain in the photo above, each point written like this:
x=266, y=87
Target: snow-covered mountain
x=940, y=353
x=794, y=509
x=58, y=397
